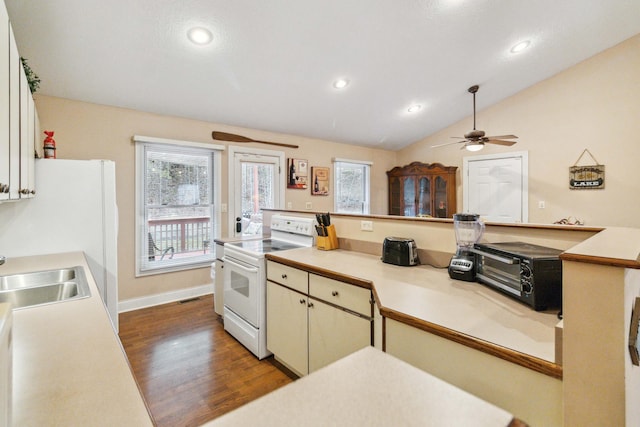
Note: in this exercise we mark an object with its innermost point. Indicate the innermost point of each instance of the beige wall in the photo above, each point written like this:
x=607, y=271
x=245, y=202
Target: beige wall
x=89, y=131
x=592, y=105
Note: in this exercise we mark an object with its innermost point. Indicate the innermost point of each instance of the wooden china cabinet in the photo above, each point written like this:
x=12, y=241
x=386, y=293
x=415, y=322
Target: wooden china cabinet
x=422, y=189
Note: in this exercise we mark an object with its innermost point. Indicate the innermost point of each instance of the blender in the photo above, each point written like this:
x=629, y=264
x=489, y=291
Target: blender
x=468, y=229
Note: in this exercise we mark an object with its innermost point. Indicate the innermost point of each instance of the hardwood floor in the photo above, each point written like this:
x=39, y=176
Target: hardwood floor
x=188, y=368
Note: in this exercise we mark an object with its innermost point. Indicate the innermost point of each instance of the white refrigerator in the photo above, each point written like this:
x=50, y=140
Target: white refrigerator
x=74, y=209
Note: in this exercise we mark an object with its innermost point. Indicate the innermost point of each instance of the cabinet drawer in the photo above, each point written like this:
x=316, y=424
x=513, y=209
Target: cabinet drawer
x=351, y=297
x=288, y=276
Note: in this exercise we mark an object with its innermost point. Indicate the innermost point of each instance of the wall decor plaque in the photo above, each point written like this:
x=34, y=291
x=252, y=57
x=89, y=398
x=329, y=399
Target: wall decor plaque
x=319, y=181
x=634, y=343
x=297, y=173
x=587, y=177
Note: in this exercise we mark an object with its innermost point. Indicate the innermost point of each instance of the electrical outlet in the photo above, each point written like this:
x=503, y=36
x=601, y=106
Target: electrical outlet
x=308, y=205
x=541, y=204
x=223, y=207
x=366, y=225
x=289, y=205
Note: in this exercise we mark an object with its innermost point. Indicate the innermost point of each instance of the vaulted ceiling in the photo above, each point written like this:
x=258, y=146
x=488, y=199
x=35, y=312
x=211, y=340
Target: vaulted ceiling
x=272, y=64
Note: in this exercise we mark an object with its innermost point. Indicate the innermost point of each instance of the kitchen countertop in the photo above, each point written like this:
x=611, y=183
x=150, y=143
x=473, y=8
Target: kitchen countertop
x=370, y=388
x=426, y=297
x=69, y=367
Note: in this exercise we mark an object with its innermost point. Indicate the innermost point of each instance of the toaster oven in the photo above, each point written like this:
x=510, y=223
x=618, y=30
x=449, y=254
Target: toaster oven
x=530, y=273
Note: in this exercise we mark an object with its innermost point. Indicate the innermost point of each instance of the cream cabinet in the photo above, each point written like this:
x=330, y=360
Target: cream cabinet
x=27, y=139
x=312, y=320
x=19, y=125
x=287, y=327
x=4, y=104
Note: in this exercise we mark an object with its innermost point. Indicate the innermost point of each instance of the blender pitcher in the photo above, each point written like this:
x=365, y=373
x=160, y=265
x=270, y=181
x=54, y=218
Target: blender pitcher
x=468, y=229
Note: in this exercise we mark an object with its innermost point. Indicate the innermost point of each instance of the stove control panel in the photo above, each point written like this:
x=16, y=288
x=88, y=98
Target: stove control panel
x=292, y=224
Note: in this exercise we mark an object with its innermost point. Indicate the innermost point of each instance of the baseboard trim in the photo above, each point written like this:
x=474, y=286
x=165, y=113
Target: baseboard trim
x=167, y=297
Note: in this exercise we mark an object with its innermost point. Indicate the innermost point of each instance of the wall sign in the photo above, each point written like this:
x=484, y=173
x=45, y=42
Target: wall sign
x=588, y=177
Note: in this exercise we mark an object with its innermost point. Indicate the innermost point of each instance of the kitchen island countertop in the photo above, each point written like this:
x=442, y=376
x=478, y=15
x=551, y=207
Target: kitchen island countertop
x=69, y=367
x=371, y=388
x=427, y=295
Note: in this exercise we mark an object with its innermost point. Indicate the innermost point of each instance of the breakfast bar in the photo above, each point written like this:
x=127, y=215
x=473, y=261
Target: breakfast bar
x=465, y=333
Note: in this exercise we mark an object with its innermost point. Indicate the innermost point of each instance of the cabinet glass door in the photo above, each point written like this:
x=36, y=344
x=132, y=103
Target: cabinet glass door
x=395, y=206
x=441, y=198
x=424, y=197
x=409, y=197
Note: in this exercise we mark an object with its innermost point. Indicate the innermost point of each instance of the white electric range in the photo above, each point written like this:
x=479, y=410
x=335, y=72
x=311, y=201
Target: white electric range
x=245, y=279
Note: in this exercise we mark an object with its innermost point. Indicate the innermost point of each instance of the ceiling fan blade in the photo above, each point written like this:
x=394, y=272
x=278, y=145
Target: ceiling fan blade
x=502, y=137
x=447, y=143
x=223, y=136
x=500, y=142
x=458, y=137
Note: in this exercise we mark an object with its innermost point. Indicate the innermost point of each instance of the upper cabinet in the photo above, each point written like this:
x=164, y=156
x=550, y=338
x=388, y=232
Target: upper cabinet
x=19, y=127
x=4, y=103
x=422, y=189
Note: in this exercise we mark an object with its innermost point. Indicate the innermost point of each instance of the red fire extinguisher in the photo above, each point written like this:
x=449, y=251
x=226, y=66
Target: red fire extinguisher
x=49, y=145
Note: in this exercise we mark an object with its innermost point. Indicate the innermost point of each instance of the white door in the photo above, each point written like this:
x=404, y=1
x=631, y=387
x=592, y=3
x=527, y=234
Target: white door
x=495, y=187
x=256, y=182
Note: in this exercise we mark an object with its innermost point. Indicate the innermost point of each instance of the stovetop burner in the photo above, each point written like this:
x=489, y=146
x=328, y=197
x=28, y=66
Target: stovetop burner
x=264, y=246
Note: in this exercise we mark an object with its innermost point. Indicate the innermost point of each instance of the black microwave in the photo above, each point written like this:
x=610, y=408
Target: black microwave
x=530, y=273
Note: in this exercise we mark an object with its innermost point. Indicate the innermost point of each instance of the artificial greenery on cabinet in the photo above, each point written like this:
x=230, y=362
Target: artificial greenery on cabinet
x=32, y=78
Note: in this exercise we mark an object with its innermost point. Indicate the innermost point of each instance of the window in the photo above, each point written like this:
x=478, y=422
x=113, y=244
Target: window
x=177, y=192
x=351, y=186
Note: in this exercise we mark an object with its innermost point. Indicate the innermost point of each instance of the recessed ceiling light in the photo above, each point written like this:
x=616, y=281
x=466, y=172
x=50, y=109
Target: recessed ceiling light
x=340, y=83
x=520, y=46
x=199, y=35
x=414, y=108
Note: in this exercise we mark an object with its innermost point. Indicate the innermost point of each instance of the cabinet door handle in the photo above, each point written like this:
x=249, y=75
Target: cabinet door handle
x=302, y=301
x=310, y=305
x=334, y=293
x=284, y=276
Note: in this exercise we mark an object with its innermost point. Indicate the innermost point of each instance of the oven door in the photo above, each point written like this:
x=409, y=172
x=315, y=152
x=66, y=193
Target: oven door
x=498, y=271
x=242, y=284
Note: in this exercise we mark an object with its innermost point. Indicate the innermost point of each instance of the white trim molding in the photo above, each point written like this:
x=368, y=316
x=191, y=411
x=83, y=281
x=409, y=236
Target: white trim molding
x=359, y=162
x=165, y=298
x=178, y=142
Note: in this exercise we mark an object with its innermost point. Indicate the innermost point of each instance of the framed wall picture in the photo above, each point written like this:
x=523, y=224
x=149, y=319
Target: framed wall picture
x=319, y=181
x=297, y=173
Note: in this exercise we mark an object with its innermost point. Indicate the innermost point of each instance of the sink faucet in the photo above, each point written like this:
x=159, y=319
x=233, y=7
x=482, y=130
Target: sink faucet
x=2, y=259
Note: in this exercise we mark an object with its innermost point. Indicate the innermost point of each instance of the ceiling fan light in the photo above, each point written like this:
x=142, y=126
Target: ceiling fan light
x=474, y=146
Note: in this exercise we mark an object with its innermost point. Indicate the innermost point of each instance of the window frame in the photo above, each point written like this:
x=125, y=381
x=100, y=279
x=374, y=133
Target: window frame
x=141, y=240
x=366, y=204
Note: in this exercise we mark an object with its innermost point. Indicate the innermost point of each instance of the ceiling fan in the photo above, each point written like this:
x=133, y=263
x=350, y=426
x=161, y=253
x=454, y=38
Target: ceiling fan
x=475, y=139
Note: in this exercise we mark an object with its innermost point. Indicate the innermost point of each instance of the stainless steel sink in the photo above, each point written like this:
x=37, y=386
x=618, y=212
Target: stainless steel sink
x=44, y=287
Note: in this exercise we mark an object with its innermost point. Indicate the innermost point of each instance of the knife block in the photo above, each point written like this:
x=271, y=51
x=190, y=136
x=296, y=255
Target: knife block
x=329, y=242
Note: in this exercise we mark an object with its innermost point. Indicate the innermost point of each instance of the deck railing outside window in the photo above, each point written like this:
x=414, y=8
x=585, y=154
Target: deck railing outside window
x=185, y=235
